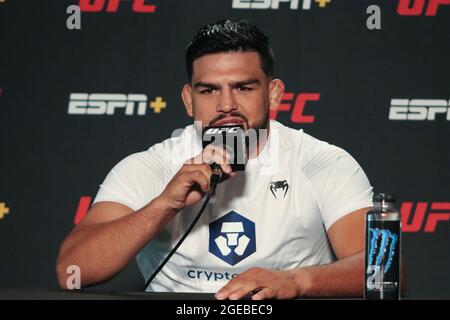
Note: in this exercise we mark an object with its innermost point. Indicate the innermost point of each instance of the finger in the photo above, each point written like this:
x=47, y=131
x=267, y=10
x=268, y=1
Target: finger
x=225, y=291
x=233, y=285
x=227, y=176
x=235, y=290
x=198, y=159
x=205, y=168
x=189, y=165
x=244, y=291
x=265, y=293
x=226, y=168
x=205, y=156
x=217, y=155
x=212, y=154
x=199, y=177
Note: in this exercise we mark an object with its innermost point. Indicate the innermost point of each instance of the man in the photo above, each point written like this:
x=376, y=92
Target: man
x=295, y=229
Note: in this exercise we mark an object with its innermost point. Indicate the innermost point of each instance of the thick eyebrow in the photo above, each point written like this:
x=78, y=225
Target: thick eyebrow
x=237, y=84
x=202, y=84
x=244, y=83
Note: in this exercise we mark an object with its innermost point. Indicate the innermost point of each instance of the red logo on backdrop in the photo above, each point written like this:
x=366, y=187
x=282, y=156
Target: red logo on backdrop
x=433, y=213
x=296, y=104
x=418, y=7
x=112, y=6
x=82, y=210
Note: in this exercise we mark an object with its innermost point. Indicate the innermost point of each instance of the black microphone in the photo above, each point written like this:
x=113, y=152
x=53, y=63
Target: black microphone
x=217, y=173
x=231, y=138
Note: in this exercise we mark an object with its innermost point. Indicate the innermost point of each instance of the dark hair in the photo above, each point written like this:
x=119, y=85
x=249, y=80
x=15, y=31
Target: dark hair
x=228, y=35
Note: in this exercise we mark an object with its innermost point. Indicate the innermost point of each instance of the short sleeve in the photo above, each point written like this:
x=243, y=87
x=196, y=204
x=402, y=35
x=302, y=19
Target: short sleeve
x=134, y=181
x=341, y=187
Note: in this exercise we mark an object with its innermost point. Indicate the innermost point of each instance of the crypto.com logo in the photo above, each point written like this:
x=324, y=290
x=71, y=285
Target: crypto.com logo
x=108, y=103
x=232, y=238
x=112, y=6
x=275, y=4
x=412, y=221
x=417, y=7
x=296, y=107
x=419, y=109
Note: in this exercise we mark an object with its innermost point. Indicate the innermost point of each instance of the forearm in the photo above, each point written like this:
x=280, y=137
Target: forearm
x=344, y=277
x=104, y=249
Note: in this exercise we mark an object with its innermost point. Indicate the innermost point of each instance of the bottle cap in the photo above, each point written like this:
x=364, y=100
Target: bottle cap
x=378, y=197
x=389, y=197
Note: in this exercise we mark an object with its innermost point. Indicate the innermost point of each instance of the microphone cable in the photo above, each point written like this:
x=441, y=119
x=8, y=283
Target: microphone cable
x=215, y=178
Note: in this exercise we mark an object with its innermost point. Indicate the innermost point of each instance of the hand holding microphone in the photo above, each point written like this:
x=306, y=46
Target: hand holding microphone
x=195, y=177
x=230, y=139
x=224, y=152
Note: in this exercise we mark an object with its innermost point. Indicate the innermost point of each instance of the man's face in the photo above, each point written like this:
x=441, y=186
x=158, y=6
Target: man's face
x=231, y=88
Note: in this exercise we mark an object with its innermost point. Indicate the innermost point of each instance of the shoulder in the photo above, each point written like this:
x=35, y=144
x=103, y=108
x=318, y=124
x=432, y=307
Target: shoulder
x=318, y=156
x=312, y=155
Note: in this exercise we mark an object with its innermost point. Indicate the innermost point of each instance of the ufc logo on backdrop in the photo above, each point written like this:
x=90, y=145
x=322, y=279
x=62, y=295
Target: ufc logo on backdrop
x=413, y=219
x=112, y=6
x=418, y=7
x=83, y=207
x=296, y=105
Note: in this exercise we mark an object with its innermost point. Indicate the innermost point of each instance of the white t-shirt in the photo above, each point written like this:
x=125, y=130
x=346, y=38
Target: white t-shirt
x=272, y=215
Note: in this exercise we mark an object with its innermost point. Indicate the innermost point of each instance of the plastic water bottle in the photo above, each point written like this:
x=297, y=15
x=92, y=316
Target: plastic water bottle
x=383, y=237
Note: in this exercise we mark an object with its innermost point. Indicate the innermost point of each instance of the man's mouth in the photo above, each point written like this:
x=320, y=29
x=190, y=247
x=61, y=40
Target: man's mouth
x=229, y=121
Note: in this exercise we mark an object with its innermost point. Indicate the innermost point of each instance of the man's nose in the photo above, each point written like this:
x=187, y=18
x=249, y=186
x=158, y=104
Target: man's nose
x=226, y=102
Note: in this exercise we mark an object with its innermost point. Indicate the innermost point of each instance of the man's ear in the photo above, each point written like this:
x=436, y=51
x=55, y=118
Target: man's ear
x=186, y=95
x=276, y=91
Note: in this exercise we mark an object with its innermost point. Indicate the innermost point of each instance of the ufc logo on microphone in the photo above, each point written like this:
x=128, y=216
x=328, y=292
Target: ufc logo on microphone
x=221, y=130
x=297, y=106
x=112, y=6
x=416, y=7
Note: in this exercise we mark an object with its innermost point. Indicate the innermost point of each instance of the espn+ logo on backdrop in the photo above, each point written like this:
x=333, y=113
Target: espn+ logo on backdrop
x=404, y=7
x=276, y=4
x=419, y=109
x=110, y=103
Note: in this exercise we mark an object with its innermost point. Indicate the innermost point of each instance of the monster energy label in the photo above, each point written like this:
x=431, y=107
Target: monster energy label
x=382, y=272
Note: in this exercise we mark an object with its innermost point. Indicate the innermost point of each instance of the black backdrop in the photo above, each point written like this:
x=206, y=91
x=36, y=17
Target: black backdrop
x=51, y=158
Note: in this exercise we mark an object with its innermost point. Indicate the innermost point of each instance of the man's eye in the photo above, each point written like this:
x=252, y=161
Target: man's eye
x=244, y=89
x=208, y=91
